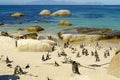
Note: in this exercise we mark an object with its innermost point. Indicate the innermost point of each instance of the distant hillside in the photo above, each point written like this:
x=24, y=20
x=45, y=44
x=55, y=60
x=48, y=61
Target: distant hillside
x=52, y=2
x=48, y=2
x=94, y=3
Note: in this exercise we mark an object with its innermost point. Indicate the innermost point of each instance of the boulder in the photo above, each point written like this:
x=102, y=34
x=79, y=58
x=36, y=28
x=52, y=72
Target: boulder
x=47, y=37
x=1, y=23
x=64, y=23
x=33, y=45
x=24, y=36
x=4, y=33
x=35, y=28
x=30, y=36
x=80, y=37
x=113, y=34
x=17, y=14
x=92, y=33
x=6, y=43
x=20, y=29
x=61, y=13
x=50, y=42
x=114, y=67
x=45, y=13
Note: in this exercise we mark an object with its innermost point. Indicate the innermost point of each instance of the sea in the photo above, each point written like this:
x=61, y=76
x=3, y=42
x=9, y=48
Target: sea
x=93, y=16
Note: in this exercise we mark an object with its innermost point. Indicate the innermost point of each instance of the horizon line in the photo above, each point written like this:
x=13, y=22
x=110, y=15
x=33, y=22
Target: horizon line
x=63, y=4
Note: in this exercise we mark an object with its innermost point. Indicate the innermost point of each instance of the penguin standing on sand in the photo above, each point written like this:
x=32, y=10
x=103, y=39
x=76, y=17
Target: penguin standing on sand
x=27, y=66
x=56, y=64
x=8, y=61
x=18, y=70
x=75, y=67
x=16, y=43
x=43, y=59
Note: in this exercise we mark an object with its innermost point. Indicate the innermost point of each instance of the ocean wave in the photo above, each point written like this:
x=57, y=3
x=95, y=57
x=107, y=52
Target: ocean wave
x=92, y=15
x=7, y=12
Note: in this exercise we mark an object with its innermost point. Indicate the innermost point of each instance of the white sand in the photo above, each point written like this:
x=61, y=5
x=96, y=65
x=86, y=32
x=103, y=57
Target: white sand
x=40, y=70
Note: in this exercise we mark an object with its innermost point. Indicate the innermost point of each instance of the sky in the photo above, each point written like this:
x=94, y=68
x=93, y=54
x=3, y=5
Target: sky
x=59, y=2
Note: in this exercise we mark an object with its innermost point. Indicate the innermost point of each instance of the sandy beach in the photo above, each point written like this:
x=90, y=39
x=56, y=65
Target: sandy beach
x=41, y=70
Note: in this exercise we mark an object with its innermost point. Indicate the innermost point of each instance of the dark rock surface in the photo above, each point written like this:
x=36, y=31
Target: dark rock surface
x=1, y=23
x=30, y=36
x=24, y=36
x=20, y=29
x=108, y=33
x=4, y=33
x=35, y=28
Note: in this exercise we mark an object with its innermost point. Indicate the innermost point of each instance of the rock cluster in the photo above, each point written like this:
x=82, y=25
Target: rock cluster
x=56, y=13
x=91, y=34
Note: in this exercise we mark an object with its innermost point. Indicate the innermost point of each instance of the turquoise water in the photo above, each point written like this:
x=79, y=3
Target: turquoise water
x=82, y=16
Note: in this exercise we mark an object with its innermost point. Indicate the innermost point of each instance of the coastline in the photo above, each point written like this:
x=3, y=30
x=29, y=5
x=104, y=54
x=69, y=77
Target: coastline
x=42, y=70
x=57, y=47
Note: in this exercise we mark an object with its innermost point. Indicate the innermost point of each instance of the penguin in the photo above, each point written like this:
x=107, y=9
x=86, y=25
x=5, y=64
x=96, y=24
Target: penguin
x=27, y=66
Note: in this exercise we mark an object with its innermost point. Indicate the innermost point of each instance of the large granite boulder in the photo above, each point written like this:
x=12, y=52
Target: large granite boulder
x=81, y=37
x=114, y=67
x=64, y=23
x=35, y=28
x=17, y=14
x=85, y=30
x=34, y=45
x=61, y=13
x=84, y=33
x=45, y=13
x=115, y=34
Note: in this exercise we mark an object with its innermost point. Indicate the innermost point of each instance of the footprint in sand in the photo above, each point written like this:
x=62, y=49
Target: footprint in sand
x=79, y=77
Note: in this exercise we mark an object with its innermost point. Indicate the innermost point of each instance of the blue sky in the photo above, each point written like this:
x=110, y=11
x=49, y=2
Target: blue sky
x=46, y=2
